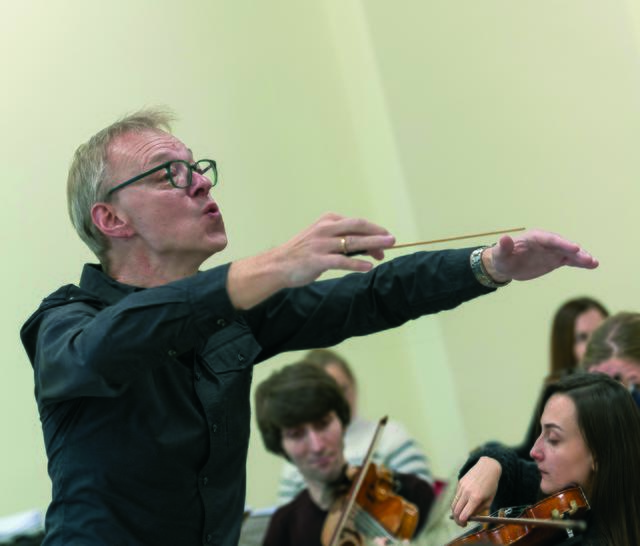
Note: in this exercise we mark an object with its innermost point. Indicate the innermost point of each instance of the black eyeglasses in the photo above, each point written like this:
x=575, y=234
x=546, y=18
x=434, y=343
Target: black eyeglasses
x=179, y=173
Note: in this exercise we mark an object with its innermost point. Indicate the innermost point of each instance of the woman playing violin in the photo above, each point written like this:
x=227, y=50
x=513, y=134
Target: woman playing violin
x=302, y=415
x=590, y=437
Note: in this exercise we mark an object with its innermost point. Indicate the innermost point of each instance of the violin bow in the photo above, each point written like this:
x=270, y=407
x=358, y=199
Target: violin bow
x=361, y=476
x=557, y=523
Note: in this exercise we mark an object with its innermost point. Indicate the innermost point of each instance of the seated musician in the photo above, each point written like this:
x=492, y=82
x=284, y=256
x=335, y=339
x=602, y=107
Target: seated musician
x=302, y=416
x=590, y=437
x=614, y=349
x=396, y=450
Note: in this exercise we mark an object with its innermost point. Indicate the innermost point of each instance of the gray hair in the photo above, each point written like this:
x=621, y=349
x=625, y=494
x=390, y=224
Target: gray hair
x=88, y=172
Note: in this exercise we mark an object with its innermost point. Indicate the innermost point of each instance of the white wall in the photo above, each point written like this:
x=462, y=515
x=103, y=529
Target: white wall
x=432, y=118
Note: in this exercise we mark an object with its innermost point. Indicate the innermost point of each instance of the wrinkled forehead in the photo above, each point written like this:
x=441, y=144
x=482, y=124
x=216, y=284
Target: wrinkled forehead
x=141, y=150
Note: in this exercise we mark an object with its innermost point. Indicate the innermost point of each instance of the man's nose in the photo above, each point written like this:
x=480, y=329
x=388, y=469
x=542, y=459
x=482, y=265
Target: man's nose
x=200, y=185
x=316, y=440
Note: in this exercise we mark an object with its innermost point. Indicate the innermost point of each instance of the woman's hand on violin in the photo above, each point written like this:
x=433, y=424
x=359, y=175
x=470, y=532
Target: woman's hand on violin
x=476, y=490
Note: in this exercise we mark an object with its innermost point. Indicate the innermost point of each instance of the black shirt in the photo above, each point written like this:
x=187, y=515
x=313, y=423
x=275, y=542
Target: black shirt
x=144, y=394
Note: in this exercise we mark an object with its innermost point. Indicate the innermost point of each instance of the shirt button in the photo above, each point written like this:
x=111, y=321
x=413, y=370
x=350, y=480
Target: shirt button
x=197, y=375
x=171, y=352
x=209, y=538
x=221, y=322
x=205, y=480
x=240, y=357
x=214, y=428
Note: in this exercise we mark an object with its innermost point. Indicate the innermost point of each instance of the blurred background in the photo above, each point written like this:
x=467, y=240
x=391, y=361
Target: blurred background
x=433, y=118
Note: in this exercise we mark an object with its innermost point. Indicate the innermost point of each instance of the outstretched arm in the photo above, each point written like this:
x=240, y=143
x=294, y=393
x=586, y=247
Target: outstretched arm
x=328, y=244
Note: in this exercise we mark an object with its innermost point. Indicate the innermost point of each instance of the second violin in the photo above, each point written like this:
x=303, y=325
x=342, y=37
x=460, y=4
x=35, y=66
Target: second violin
x=535, y=525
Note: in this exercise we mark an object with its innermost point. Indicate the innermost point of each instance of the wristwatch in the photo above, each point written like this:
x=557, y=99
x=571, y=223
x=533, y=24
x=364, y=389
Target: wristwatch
x=480, y=271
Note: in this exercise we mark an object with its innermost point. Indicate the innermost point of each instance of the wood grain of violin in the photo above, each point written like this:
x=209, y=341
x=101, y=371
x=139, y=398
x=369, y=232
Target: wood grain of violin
x=536, y=525
x=370, y=509
x=377, y=512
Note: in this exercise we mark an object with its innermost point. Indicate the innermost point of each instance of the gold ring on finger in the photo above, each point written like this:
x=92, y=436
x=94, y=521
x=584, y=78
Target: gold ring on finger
x=343, y=245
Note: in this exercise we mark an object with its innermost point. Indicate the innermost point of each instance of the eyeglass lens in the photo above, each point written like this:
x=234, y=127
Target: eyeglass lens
x=180, y=172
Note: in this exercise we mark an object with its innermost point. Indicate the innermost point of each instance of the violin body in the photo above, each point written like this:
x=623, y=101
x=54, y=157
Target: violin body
x=377, y=509
x=568, y=503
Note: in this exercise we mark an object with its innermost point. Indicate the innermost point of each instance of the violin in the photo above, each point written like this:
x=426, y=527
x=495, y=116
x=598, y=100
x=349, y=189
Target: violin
x=376, y=512
x=370, y=509
x=543, y=523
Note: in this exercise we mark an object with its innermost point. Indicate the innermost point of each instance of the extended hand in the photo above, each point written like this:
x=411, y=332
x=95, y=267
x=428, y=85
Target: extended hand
x=324, y=245
x=321, y=247
x=533, y=254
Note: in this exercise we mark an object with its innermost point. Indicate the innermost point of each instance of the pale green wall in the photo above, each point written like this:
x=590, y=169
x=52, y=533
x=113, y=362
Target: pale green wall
x=433, y=118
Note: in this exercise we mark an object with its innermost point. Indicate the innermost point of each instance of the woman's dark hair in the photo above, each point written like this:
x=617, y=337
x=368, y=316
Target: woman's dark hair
x=296, y=394
x=325, y=357
x=609, y=420
x=618, y=336
x=563, y=359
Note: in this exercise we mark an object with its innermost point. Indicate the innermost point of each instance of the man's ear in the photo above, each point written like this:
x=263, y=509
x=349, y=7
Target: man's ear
x=109, y=222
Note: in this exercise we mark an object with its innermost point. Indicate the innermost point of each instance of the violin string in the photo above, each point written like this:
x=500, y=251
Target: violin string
x=367, y=523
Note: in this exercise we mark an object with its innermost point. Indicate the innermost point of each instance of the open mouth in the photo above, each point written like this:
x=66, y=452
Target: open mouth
x=211, y=209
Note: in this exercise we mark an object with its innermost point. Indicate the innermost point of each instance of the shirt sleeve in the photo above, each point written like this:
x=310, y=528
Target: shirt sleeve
x=81, y=348
x=325, y=313
x=520, y=479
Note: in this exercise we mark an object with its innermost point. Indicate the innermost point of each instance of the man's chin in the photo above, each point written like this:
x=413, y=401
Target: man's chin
x=217, y=243
x=334, y=475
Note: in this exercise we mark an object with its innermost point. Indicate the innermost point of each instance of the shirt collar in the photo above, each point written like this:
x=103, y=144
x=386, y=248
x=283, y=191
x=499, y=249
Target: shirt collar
x=96, y=281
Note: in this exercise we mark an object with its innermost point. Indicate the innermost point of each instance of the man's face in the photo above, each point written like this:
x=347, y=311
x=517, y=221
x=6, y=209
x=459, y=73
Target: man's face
x=167, y=222
x=316, y=448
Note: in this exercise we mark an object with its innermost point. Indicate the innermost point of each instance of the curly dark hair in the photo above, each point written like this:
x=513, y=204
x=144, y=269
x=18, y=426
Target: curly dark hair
x=298, y=393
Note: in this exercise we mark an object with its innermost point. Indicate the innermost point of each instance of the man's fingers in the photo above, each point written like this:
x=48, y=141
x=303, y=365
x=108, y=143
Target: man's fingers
x=506, y=244
x=370, y=244
x=332, y=224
